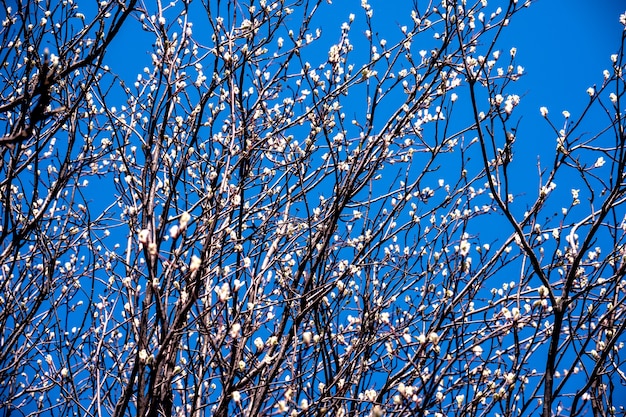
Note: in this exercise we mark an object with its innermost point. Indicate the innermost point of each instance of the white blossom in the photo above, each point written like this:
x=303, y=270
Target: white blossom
x=477, y=350
x=464, y=247
x=599, y=162
x=258, y=343
x=144, y=236
x=195, y=263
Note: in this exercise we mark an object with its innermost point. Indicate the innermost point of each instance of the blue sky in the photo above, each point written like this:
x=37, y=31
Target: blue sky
x=563, y=45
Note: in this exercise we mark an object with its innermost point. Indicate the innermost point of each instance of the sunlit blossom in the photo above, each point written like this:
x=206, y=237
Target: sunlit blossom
x=143, y=355
x=464, y=247
x=599, y=162
x=235, y=330
x=477, y=350
x=144, y=236
x=195, y=263
x=258, y=343
x=184, y=219
x=223, y=292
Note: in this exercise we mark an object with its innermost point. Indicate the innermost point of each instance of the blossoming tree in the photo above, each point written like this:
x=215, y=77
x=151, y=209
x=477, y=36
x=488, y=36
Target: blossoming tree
x=258, y=217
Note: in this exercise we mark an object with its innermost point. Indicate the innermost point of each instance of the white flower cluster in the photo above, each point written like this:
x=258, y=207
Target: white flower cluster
x=512, y=100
